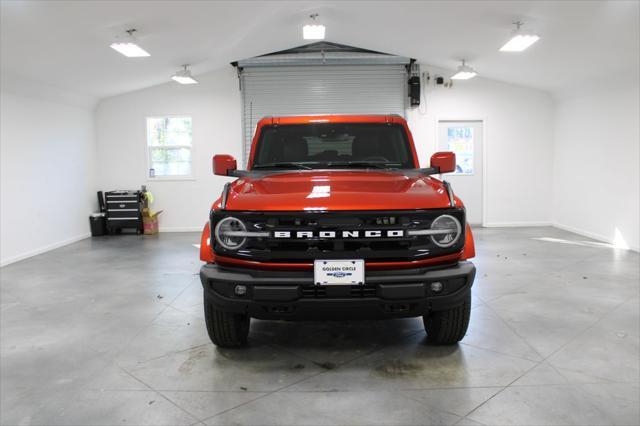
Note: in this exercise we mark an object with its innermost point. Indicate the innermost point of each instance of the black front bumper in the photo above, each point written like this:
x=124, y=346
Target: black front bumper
x=293, y=294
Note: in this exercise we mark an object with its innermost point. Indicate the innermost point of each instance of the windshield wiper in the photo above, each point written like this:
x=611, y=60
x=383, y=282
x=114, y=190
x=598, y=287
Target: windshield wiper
x=282, y=165
x=364, y=164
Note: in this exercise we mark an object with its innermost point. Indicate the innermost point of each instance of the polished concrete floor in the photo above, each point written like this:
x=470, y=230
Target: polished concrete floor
x=110, y=331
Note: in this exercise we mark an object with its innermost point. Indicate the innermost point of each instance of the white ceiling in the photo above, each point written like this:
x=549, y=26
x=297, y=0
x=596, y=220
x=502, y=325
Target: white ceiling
x=66, y=43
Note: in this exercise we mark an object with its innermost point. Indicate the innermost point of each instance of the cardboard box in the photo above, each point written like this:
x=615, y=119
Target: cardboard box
x=150, y=221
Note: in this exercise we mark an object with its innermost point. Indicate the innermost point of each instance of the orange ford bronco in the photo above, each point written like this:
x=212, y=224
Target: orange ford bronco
x=334, y=219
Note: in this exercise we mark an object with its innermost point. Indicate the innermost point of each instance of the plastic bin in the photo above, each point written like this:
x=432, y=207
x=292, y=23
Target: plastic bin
x=98, y=223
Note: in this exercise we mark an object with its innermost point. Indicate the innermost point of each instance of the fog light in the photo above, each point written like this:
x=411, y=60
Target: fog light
x=240, y=290
x=437, y=286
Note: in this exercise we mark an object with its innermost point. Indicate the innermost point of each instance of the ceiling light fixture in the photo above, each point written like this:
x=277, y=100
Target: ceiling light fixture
x=314, y=30
x=520, y=40
x=464, y=72
x=183, y=76
x=128, y=46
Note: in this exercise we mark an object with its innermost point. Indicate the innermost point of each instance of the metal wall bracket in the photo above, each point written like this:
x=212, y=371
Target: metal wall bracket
x=239, y=71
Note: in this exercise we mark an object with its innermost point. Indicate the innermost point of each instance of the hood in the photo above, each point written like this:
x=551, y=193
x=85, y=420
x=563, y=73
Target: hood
x=337, y=190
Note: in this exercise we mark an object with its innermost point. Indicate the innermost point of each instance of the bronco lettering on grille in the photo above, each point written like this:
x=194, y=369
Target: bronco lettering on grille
x=393, y=233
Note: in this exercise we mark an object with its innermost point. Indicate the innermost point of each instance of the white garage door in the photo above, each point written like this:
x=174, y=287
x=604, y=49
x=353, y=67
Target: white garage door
x=326, y=89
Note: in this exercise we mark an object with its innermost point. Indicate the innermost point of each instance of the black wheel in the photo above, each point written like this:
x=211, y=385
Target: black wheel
x=450, y=326
x=226, y=329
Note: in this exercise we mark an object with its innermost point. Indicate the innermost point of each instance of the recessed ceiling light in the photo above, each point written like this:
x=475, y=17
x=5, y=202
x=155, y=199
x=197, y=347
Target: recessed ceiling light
x=314, y=30
x=128, y=46
x=520, y=40
x=464, y=72
x=183, y=76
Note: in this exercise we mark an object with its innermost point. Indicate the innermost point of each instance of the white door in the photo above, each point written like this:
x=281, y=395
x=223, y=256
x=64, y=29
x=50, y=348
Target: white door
x=465, y=139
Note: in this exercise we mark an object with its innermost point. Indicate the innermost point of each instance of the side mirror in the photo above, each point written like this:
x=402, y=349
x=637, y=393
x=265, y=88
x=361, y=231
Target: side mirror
x=444, y=161
x=224, y=165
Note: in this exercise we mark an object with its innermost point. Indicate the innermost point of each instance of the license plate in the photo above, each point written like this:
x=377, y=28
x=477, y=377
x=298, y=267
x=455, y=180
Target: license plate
x=343, y=272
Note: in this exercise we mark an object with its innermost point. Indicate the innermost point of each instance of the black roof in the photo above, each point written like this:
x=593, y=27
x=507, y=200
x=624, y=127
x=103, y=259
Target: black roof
x=320, y=46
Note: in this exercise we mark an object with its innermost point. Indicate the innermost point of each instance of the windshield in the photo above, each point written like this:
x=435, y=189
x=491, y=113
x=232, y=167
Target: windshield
x=333, y=145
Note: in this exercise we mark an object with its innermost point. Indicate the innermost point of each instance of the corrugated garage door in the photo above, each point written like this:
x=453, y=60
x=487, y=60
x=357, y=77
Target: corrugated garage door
x=333, y=89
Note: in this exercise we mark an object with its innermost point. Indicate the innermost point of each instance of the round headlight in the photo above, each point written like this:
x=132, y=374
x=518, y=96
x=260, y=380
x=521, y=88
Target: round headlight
x=225, y=230
x=449, y=230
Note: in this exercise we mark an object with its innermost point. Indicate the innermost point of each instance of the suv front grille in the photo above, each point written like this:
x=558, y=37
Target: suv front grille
x=300, y=250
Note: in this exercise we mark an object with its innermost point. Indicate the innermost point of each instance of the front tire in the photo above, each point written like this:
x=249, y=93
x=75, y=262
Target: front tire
x=226, y=329
x=448, y=327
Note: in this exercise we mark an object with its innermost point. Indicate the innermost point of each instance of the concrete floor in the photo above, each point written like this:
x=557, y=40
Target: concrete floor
x=110, y=331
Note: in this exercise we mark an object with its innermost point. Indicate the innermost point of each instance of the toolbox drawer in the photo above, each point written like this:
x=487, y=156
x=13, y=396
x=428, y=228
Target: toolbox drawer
x=123, y=205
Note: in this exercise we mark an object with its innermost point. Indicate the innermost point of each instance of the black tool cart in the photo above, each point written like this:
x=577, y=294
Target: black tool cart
x=124, y=211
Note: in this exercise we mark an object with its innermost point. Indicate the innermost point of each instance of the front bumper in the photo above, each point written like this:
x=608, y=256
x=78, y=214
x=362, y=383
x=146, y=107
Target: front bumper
x=293, y=294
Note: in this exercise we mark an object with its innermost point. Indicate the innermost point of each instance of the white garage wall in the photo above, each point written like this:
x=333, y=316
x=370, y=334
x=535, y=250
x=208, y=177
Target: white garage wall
x=54, y=159
x=519, y=124
x=215, y=107
x=47, y=173
x=596, y=176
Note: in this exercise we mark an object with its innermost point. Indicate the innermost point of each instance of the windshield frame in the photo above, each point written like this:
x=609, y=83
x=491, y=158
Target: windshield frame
x=406, y=134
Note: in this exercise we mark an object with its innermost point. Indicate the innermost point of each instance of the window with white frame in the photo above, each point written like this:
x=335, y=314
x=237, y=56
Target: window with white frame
x=169, y=146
